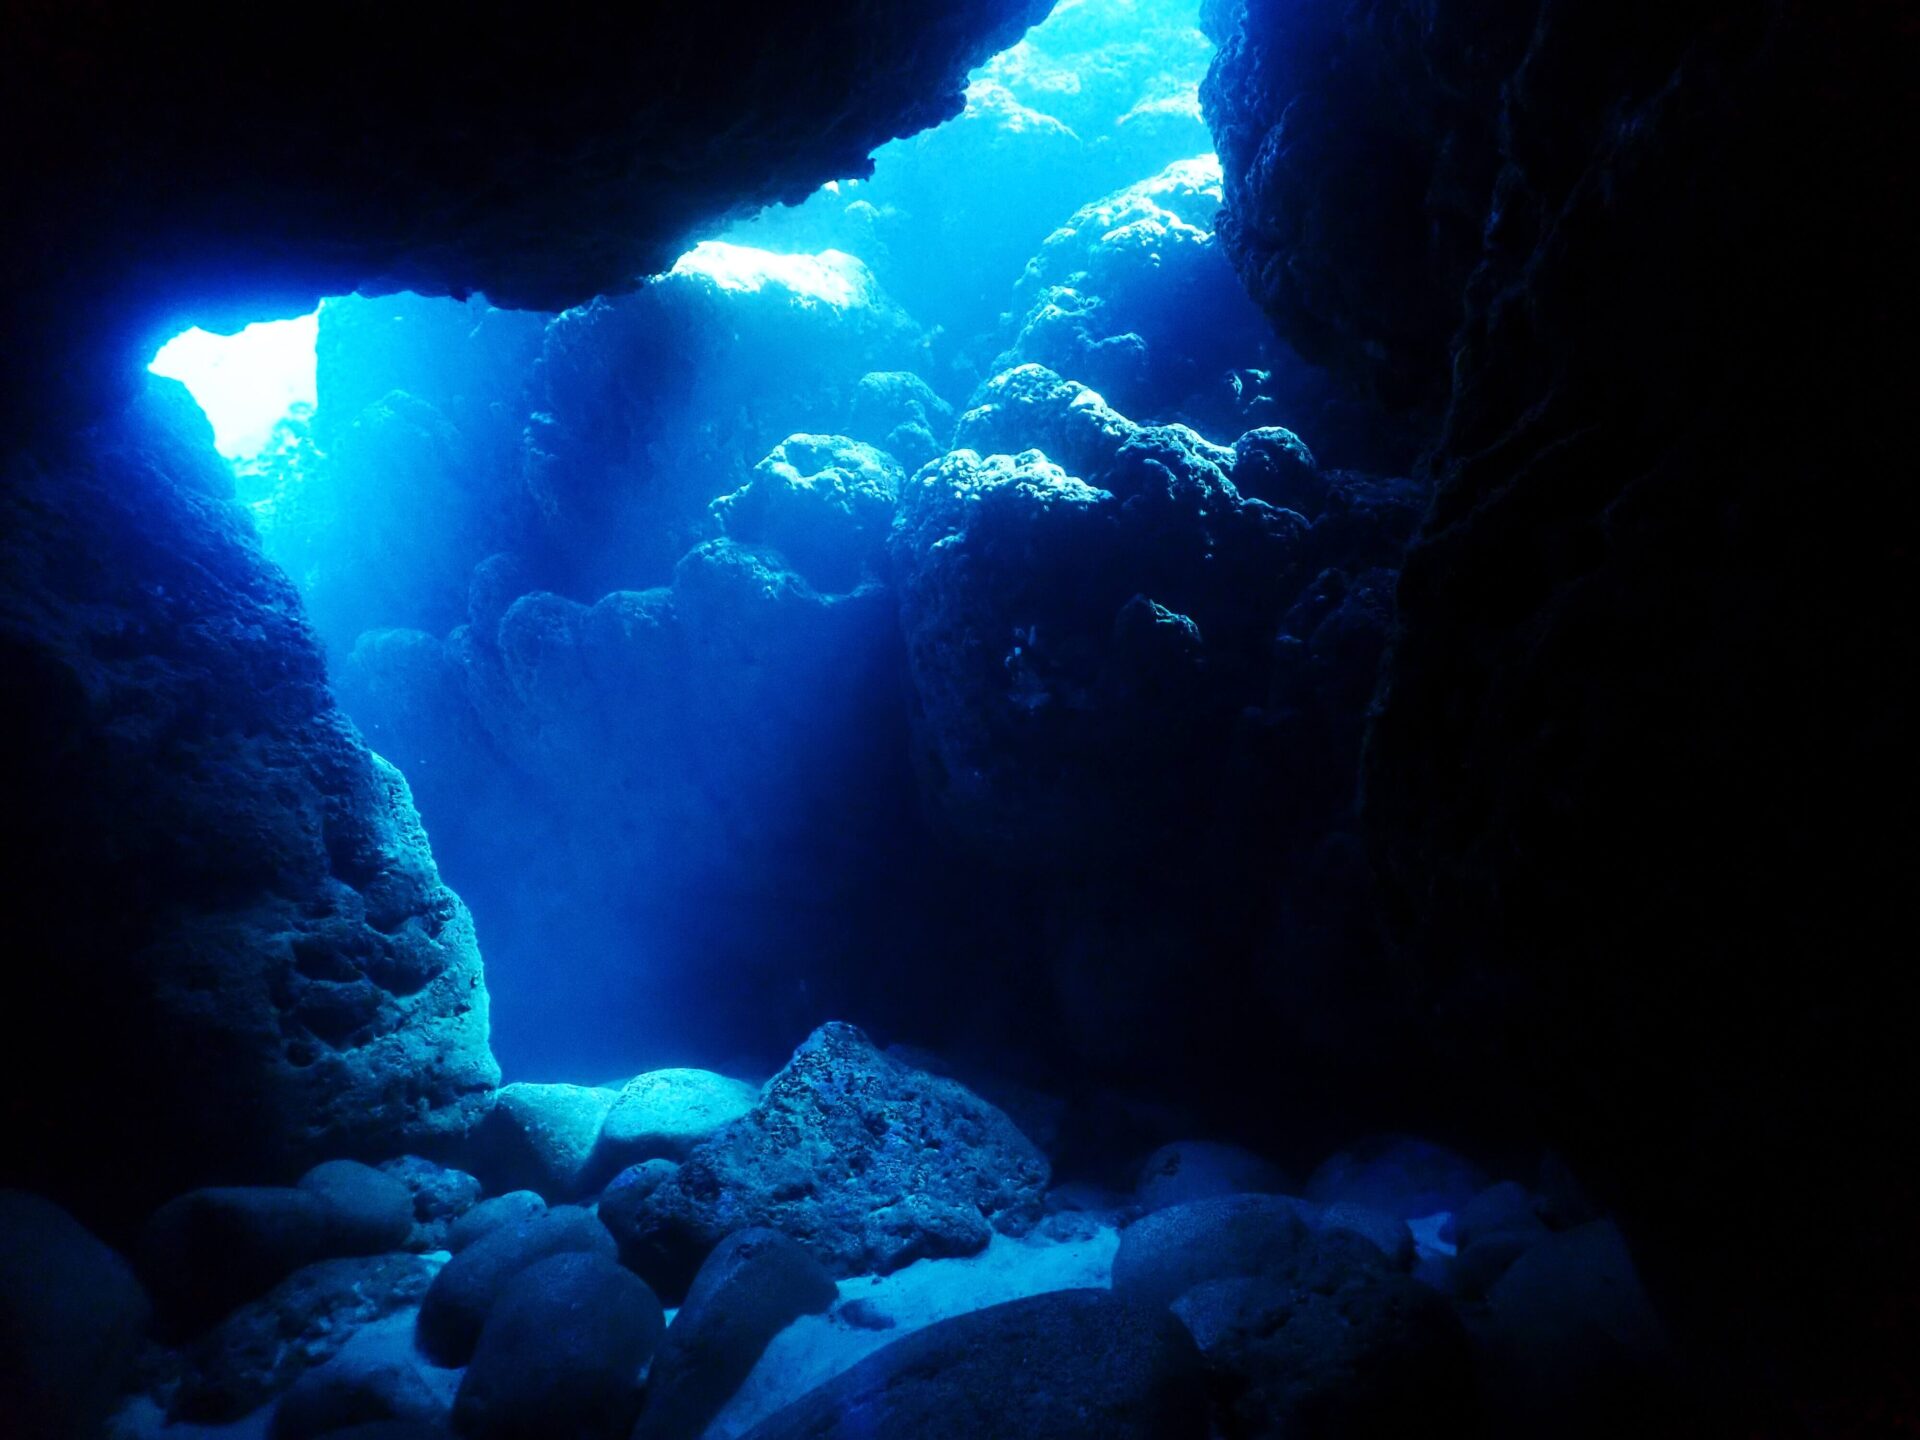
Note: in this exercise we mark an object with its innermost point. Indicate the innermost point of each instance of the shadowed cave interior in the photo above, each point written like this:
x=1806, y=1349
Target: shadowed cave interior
x=1120, y=718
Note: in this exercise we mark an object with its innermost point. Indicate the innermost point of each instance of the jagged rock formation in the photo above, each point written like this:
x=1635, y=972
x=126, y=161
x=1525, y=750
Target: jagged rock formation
x=264, y=923
x=1639, y=745
x=540, y=158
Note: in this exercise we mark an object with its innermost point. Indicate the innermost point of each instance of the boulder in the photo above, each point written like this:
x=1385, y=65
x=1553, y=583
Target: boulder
x=454, y=1311
x=542, y=1138
x=1399, y=1174
x=868, y=1162
x=71, y=1321
x=824, y=502
x=261, y=922
x=368, y=1210
x=1069, y=1365
x=441, y=1195
x=621, y=1204
x=1167, y=1253
x=663, y=1114
x=1330, y=1345
x=491, y=1214
x=899, y=412
x=561, y=1353
x=754, y=1284
x=1386, y=1233
x=1201, y=1169
x=1505, y=1208
x=377, y=1375
x=209, y=1250
x=1571, y=1333
x=265, y=1346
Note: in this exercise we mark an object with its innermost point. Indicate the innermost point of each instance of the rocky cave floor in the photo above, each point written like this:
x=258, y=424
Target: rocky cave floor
x=861, y=1246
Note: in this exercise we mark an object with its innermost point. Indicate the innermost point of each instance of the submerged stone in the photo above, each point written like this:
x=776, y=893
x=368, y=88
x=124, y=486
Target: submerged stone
x=560, y=1353
x=71, y=1321
x=751, y=1287
x=454, y=1311
x=867, y=1162
x=264, y=1347
x=663, y=1114
x=1070, y=1365
x=542, y=1138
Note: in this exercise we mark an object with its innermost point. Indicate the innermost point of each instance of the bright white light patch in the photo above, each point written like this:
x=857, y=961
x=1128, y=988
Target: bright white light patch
x=245, y=382
x=832, y=277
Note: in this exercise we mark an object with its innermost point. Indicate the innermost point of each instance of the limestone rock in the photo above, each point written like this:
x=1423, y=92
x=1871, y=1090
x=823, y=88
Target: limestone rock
x=1167, y=1253
x=251, y=847
x=867, y=1162
x=824, y=502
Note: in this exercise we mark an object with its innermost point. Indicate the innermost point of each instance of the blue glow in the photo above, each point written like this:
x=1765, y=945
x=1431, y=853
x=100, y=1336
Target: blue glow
x=247, y=382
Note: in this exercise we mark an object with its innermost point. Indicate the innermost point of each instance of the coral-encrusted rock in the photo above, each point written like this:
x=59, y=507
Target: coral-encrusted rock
x=649, y=406
x=1071, y=1365
x=823, y=501
x=1133, y=297
x=867, y=1162
x=71, y=1320
x=441, y=1196
x=263, y=1347
x=899, y=412
x=266, y=924
x=1084, y=621
x=561, y=1353
x=754, y=1284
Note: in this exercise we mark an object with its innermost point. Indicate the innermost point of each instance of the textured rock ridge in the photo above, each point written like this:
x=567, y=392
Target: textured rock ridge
x=269, y=968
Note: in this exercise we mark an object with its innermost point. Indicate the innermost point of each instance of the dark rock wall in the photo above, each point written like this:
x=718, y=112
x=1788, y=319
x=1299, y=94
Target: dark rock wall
x=231, y=950
x=234, y=947
x=182, y=168
x=1640, y=767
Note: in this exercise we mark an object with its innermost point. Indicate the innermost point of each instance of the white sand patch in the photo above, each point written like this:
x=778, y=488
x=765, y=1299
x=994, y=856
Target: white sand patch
x=815, y=1348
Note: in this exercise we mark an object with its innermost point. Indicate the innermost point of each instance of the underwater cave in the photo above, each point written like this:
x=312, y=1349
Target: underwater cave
x=1080, y=719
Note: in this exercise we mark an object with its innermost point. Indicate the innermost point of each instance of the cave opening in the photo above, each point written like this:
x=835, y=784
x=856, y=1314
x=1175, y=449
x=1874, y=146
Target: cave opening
x=1116, y=718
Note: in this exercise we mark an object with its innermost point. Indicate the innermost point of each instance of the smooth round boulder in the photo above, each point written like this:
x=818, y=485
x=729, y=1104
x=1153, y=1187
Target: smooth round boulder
x=489, y=1215
x=561, y=1353
x=542, y=1138
x=754, y=1284
x=1399, y=1174
x=1167, y=1253
x=1571, y=1342
x=1386, y=1233
x=663, y=1114
x=456, y=1307
x=1201, y=1169
x=1331, y=1347
x=71, y=1320
x=1499, y=1209
x=1068, y=1365
x=368, y=1211
x=208, y=1251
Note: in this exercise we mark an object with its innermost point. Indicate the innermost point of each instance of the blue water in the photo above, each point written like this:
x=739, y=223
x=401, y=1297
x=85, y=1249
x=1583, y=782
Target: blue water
x=668, y=758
